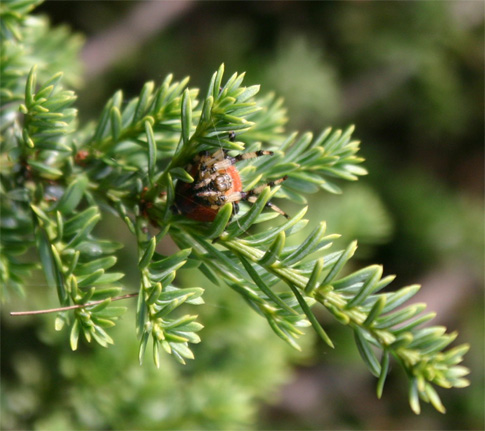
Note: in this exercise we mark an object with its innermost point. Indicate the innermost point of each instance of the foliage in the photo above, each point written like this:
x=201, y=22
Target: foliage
x=57, y=179
x=106, y=388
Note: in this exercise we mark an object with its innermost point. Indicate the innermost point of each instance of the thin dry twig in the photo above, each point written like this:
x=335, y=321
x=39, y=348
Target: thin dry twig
x=143, y=21
x=71, y=307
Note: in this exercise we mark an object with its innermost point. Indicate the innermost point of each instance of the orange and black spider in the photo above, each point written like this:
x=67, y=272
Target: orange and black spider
x=216, y=182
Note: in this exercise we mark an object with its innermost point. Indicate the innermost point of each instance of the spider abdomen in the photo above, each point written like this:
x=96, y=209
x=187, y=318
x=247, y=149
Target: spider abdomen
x=202, y=199
x=216, y=182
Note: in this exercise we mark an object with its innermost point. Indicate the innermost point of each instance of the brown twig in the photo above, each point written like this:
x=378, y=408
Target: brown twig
x=142, y=22
x=72, y=307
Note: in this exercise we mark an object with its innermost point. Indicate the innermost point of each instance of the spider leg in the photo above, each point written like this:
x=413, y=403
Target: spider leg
x=216, y=157
x=257, y=190
x=231, y=197
x=228, y=161
x=252, y=195
x=217, y=198
x=207, y=171
x=277, y=209
x=252, y=155
x=203, y=183
x=274, y=207
x=210, y=160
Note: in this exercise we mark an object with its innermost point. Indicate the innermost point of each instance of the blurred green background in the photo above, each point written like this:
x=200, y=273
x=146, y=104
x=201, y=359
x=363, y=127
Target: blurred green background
x=410, y=76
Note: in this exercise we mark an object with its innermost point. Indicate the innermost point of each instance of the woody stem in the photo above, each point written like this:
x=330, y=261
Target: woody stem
x=71, y=307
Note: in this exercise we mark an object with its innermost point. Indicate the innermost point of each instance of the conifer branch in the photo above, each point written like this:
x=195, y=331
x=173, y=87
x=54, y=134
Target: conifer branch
x=57, y=178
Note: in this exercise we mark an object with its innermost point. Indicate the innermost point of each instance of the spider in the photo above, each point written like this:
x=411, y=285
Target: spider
x=216, y=182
